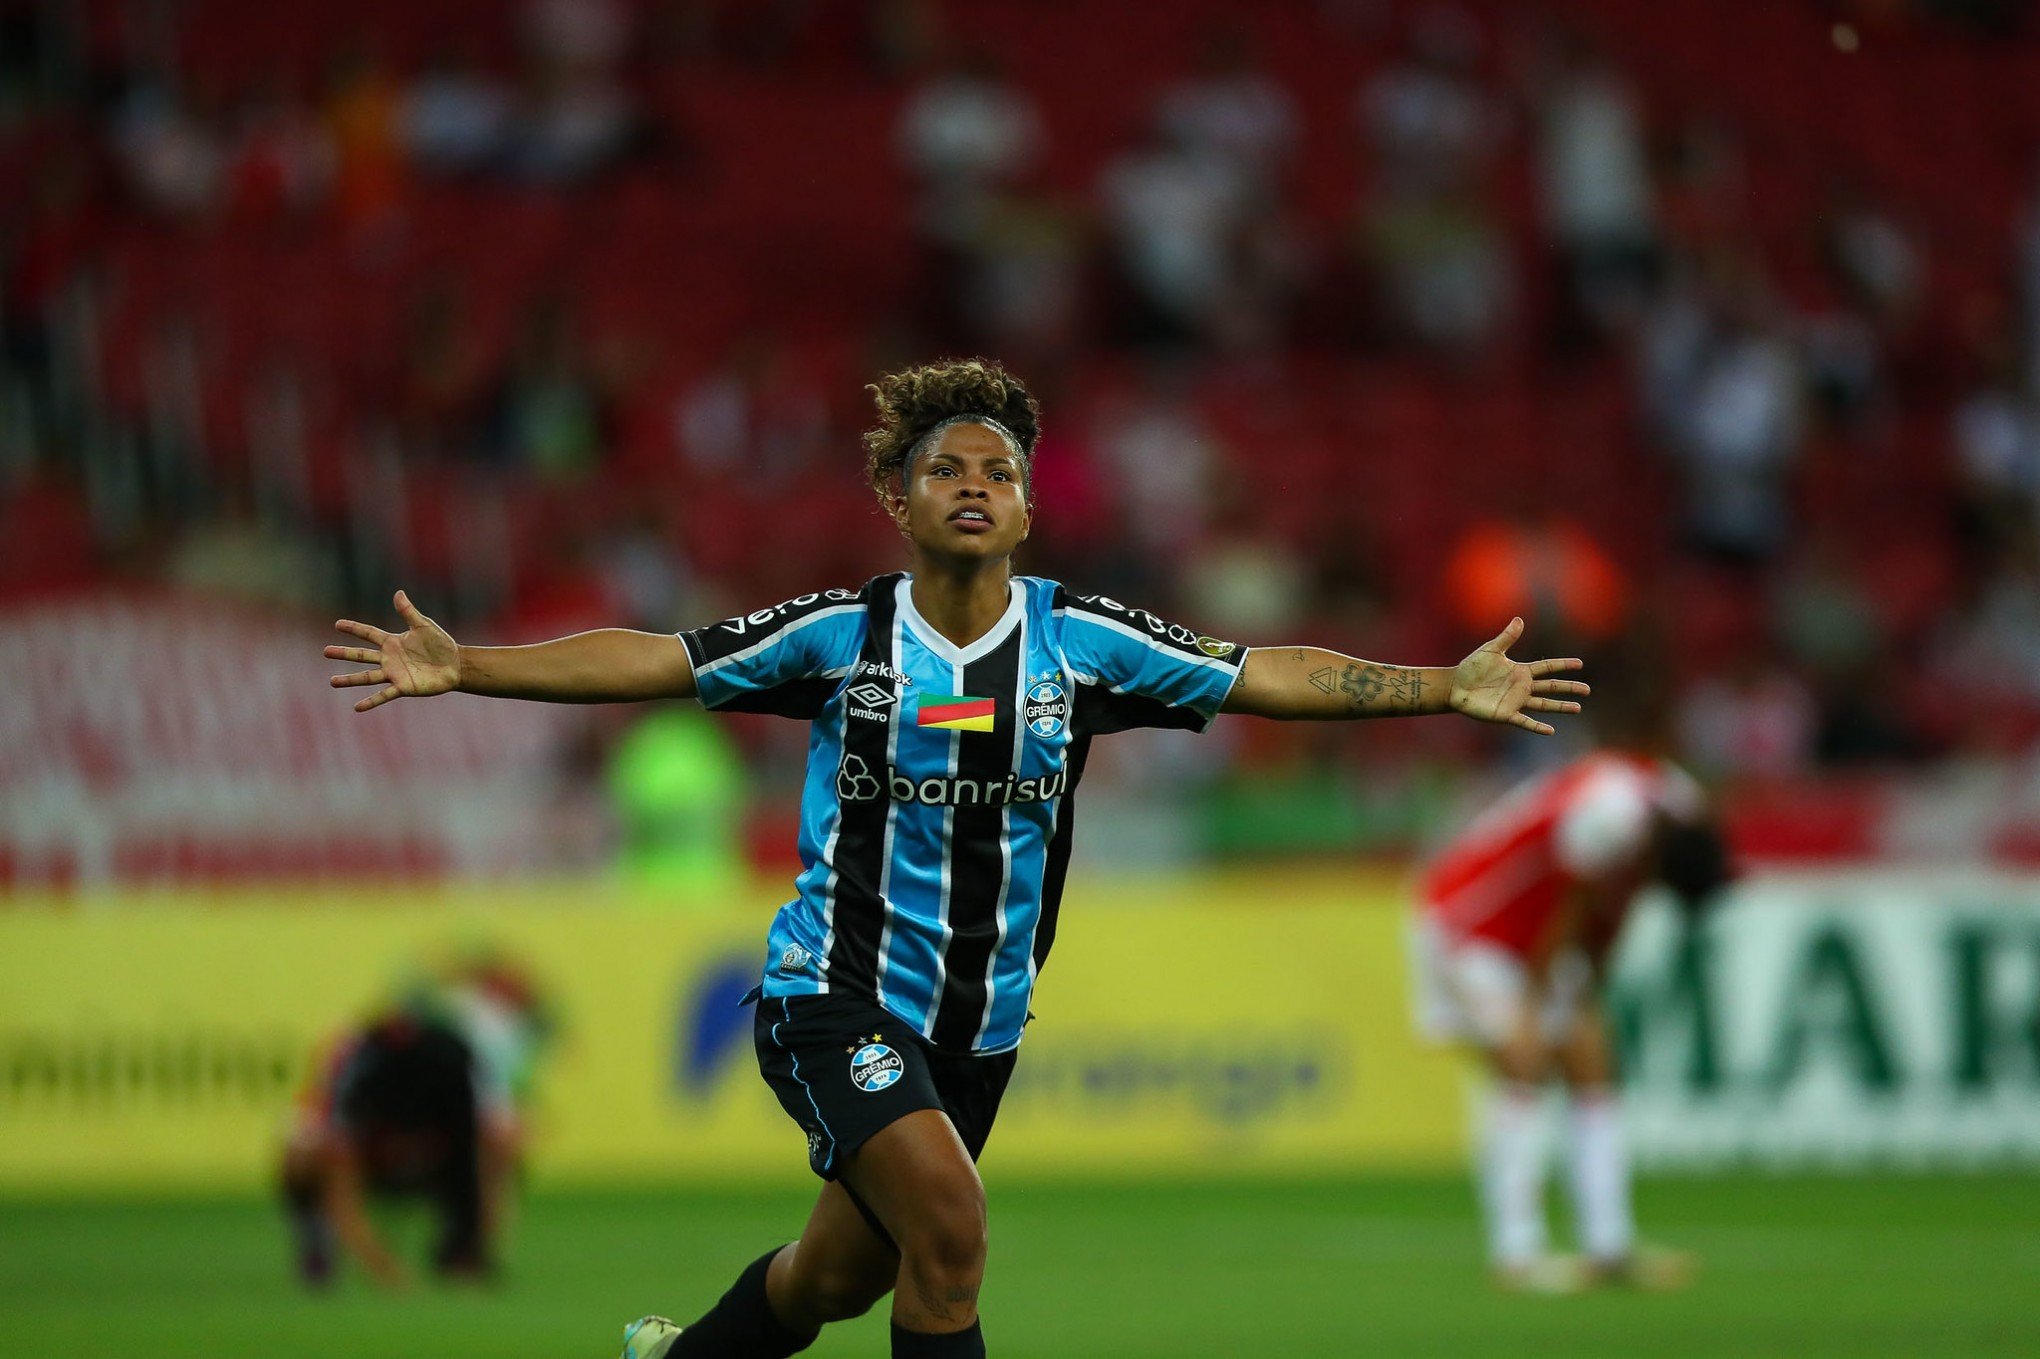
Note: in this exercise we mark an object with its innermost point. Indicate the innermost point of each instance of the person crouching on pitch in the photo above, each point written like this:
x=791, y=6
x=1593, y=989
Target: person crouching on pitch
x=398, y=1109
x=1517, y=919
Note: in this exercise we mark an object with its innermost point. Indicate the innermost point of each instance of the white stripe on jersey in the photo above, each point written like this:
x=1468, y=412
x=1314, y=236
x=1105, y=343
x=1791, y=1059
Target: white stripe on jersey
x=835, y=814
x=1151, y=642
x=1006, y=837
x=892, y=811
x=1040, y=906
x=948, y=843
x=779, y=635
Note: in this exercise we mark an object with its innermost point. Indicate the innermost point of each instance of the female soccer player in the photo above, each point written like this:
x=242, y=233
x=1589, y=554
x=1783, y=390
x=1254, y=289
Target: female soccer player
x=952, y=707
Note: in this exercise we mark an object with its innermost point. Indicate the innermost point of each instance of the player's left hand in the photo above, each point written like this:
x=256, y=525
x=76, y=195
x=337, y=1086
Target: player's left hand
x=1492, y=688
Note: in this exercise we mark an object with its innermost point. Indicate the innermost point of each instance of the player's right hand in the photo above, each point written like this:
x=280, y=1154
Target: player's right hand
x=417, y=663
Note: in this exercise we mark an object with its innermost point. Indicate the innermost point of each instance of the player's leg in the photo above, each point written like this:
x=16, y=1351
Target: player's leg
x=838, y=1269
x=448, y=1108
x=743, y=1324
x=1514, y=1145
x=920, y=1180
x=302, y=1180
x=455, y=1186
x=865, y=1093
x=1597, y=1162
x=909, y=1174
x=1486, y=997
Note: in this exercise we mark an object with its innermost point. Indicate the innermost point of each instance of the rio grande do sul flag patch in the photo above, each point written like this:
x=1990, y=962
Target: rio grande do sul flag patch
x=954, y=712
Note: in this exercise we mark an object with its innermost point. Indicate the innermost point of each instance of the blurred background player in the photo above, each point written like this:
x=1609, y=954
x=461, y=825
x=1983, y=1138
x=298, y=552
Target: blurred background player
x=422, y=1101
x=1519, y=915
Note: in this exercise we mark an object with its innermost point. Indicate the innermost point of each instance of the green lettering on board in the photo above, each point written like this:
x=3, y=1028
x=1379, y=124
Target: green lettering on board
x=1828, y=1002
x=1992, y=1041
x=1682, y=994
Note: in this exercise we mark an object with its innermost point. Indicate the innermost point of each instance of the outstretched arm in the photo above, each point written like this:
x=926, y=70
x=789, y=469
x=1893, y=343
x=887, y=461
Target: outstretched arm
x=1308, y=683
x=608, y=665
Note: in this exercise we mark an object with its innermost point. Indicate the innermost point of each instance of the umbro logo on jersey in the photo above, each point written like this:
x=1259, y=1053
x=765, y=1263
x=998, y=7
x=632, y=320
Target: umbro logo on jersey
x=870, y=700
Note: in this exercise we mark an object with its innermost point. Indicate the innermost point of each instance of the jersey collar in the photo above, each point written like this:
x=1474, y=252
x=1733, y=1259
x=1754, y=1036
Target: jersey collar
x=942, y=646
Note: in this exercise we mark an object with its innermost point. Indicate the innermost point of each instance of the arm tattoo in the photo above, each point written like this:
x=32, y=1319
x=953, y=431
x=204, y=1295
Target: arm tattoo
x=1365, y=685
x=1324, y=681
x=1408, y=688
x=1361, y=683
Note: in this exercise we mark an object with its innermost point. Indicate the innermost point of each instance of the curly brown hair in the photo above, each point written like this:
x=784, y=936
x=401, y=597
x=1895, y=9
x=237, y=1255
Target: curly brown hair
x=915, y=400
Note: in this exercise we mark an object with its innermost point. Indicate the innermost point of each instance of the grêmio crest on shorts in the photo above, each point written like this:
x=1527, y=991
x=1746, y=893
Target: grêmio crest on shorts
x=936, y=812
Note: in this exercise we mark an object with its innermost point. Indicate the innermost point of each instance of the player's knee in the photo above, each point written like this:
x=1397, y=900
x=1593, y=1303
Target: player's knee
x=946, y=1242
x=1588, y=1067
x=1590, y=1088
x=838, y=1293
x=1522, y=1058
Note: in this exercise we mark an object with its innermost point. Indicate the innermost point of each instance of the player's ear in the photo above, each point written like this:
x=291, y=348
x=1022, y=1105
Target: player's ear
x=1026, y=522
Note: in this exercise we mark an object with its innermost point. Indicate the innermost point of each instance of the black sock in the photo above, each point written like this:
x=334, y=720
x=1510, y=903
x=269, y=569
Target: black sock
x=742, y=1325
x=968, y=1343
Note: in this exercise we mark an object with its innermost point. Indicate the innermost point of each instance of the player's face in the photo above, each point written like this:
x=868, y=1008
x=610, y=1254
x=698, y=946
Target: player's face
x=965, y=497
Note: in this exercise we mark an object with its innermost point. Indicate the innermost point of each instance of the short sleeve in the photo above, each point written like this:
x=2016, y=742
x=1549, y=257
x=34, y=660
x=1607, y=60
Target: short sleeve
x=1142, y=671
x=1605, y=824
x=785, y=660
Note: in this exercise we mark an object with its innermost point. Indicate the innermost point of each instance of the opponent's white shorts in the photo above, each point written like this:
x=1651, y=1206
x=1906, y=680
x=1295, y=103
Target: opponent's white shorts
x=1472, y=991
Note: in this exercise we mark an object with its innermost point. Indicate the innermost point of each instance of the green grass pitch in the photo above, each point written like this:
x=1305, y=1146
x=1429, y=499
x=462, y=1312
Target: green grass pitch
x=1800, y=1266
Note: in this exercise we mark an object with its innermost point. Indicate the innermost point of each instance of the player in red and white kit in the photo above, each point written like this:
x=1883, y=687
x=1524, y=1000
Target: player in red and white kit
x=1518, y=916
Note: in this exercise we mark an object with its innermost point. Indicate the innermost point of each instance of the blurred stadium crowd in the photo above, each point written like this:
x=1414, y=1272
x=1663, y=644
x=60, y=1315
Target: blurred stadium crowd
x=1706, y=336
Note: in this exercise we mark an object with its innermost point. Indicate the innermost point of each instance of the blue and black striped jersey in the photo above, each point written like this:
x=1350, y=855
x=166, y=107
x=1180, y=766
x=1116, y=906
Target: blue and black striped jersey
x=936, y=814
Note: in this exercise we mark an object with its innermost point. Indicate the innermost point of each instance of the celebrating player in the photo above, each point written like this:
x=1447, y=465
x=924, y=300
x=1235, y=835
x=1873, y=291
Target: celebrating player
x=1518, y=916
x=952, y=706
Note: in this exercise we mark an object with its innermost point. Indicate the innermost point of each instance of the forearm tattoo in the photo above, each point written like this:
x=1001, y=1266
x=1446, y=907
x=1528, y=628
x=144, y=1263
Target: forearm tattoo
x=1365, y=685
x=1362, y=683
x=1407, y=687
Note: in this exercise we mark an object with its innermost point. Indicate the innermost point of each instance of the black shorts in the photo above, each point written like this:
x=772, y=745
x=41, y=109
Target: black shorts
x=843, y=1069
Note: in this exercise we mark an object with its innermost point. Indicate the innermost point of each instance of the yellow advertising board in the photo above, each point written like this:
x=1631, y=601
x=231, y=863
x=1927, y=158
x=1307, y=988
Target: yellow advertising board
x=1225, y=1024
